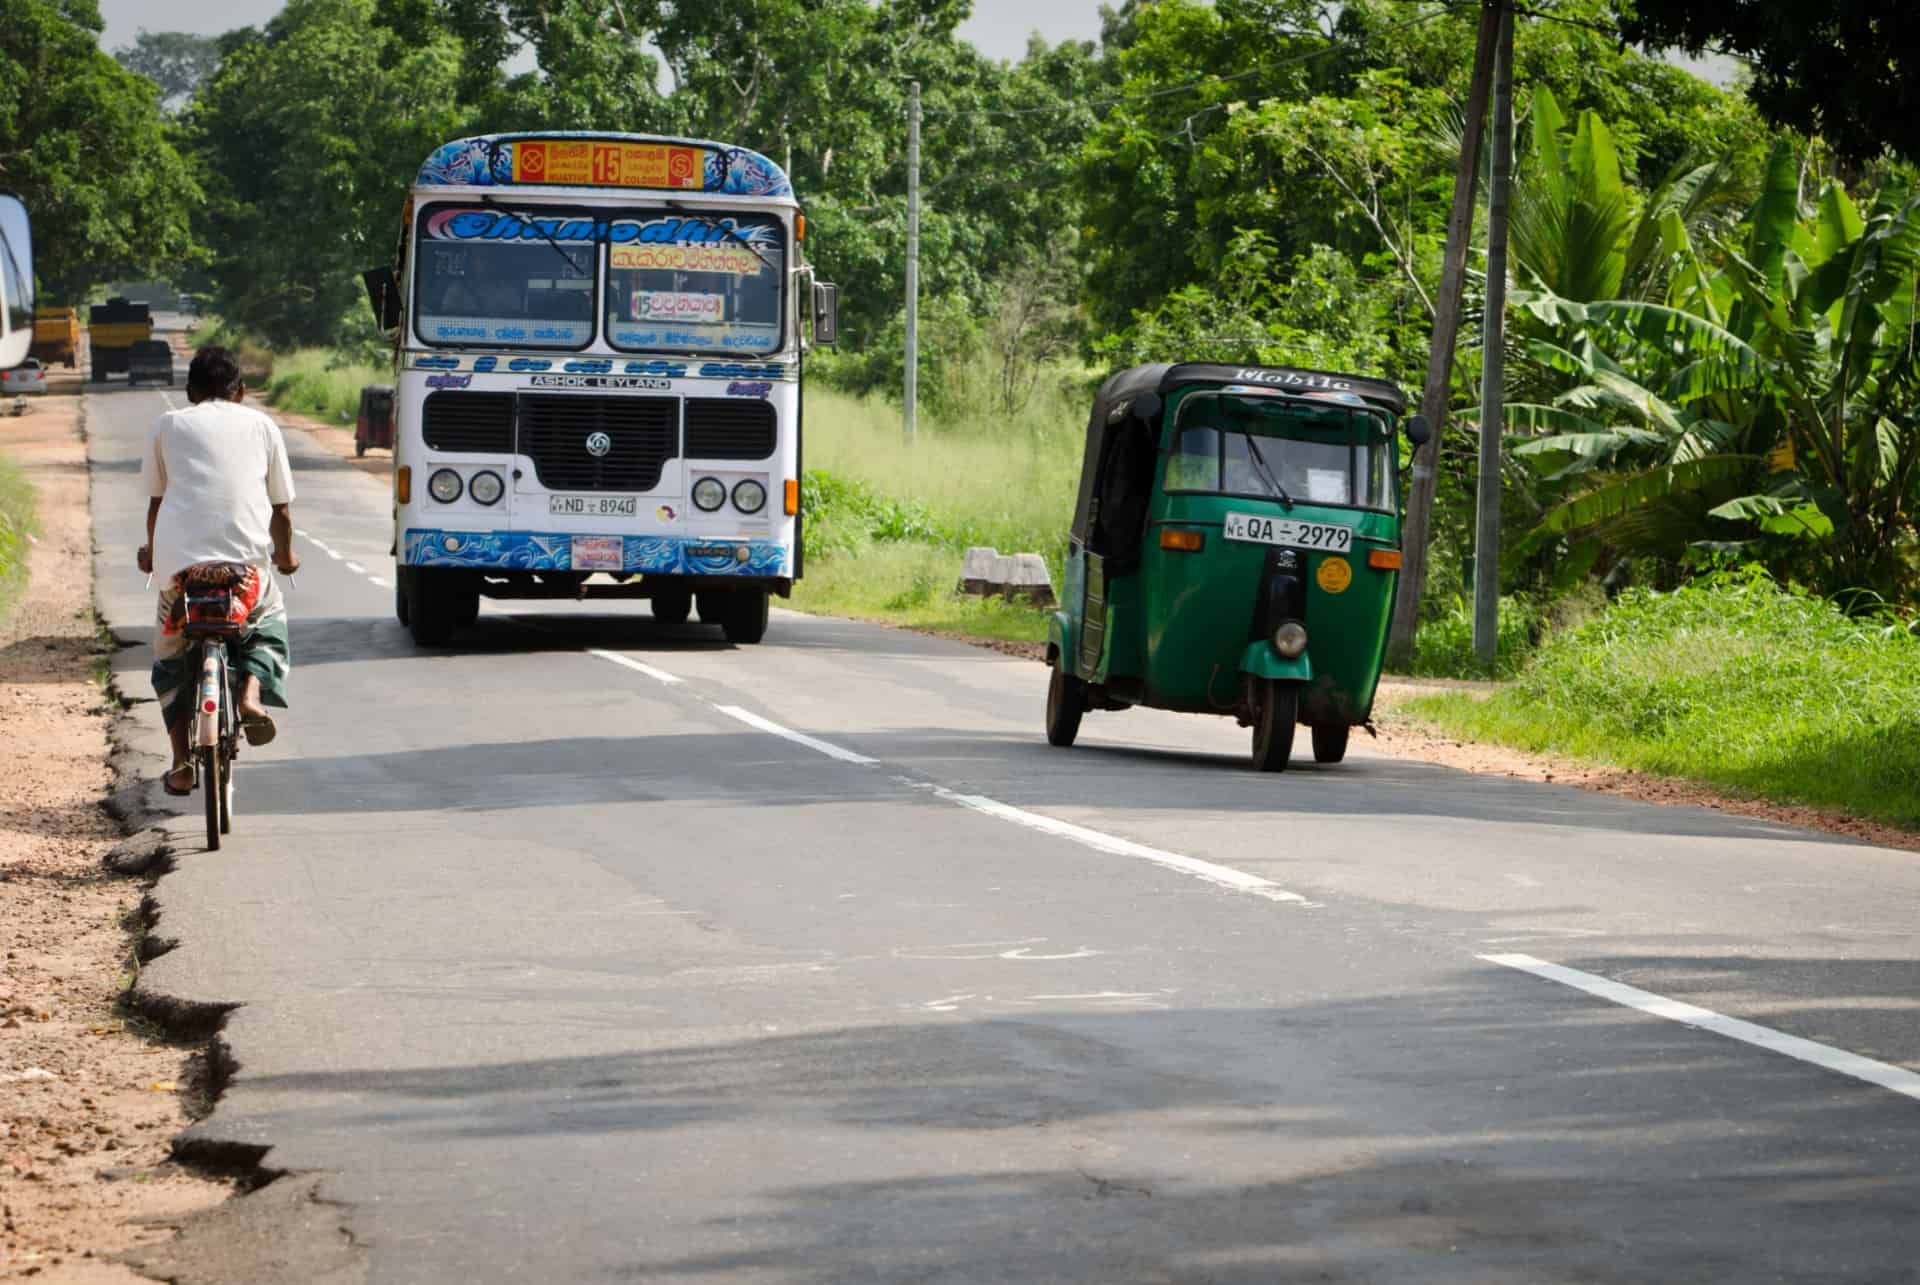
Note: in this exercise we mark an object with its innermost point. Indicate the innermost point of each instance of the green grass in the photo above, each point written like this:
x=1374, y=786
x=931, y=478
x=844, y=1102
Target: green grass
x=1444, y=647
x=888, y=521
x=1734, y=682
x=16, y=526
x=321, y=383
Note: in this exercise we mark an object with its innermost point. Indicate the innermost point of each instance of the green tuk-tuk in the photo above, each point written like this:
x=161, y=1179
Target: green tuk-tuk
x=1235, y=548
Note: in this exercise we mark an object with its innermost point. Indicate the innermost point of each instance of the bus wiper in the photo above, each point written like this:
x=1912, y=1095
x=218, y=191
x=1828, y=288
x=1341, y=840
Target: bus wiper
x=494, y=203
x=714, y=222
x=1266, y=474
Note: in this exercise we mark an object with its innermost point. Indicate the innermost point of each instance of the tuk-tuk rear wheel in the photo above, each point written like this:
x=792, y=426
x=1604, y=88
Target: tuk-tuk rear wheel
x=1330, y=741
x=1273, y=723
x=1066, y=702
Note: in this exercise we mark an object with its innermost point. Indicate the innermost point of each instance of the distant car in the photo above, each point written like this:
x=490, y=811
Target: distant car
x=28, y=377
x=150, y=359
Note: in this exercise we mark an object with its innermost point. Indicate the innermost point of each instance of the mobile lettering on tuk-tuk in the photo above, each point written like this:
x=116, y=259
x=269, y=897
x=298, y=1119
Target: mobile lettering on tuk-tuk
x=1234, y=551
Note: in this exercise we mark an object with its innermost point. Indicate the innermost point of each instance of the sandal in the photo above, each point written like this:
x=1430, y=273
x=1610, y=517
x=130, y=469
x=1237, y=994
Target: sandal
x=258, y=729
x=166, y=780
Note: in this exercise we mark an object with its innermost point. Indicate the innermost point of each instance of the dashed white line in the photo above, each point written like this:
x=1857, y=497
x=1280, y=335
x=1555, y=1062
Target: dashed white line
x=376, y=580
x=1224, y=876
x=640, y=667
x=799, y=738
x=1896, y=1078
x=356, y=568
x=324, y=549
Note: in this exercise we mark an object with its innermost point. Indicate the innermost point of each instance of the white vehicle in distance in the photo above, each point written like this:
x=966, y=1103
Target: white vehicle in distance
x=598, y=341
x=28, y=377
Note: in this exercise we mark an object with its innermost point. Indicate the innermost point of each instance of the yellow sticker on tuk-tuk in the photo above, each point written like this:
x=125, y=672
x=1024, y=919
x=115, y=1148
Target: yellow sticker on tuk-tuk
x=1335, y=574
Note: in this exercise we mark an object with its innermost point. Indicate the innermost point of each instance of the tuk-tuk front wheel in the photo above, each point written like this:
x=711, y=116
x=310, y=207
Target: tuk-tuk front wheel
x=1273, y=722
x=1066, y=702
x=1330, y=742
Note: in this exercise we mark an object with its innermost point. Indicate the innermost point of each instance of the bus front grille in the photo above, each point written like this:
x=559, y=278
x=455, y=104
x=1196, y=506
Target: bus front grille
x=476, y=423
x=729, y=428
x=560, y=432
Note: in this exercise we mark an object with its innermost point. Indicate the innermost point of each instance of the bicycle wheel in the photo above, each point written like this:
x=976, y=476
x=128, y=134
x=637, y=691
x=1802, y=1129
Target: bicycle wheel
x=226, y=791
x=215, y=789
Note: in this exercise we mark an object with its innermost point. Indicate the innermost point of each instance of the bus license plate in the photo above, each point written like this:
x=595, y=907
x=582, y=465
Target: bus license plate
x=593, y=506
x=1254, y=529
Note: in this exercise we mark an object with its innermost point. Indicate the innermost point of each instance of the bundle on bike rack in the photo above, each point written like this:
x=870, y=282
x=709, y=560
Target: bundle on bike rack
x=217, y=597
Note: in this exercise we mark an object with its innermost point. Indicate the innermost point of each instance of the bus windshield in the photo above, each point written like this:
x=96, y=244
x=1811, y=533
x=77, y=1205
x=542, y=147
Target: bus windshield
x=1282, y=448
x=490, y=278
x=686, y=282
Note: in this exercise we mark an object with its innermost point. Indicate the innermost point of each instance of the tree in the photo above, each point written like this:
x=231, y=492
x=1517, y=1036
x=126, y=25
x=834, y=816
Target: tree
x=1846, y=71
x=83, y=144
x=177, y=61
x=307, y=139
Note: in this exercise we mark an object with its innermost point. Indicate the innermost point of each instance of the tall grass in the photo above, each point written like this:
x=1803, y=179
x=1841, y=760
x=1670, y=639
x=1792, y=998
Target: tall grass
x=888, y=518
x=16, y=527
x=1734, y=681
x=321, y=382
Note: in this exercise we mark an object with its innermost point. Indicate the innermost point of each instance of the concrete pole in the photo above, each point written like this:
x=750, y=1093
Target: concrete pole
x=1486, y=542
x=1446, y=331
x=913, y=256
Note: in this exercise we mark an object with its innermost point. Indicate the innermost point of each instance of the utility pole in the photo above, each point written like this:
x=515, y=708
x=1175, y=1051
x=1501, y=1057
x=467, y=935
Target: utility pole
x=913, y=255
x=1486, y=536
x=1446, y=332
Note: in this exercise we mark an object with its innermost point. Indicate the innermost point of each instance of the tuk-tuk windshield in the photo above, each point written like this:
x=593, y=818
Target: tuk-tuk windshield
x=1282, y=448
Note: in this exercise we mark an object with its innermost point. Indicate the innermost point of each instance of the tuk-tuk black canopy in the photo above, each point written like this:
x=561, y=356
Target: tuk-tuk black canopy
x=1116, y=473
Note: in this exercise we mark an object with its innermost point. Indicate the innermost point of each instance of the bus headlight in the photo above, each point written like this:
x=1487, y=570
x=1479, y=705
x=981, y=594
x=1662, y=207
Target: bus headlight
x=749, y=496
x=487, y=488
x=1290, y=639
x=444, y=486
x=709, y=494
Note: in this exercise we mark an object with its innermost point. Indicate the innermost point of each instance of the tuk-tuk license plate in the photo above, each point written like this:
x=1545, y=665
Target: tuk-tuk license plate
x=1254, y=529
x=593, y=506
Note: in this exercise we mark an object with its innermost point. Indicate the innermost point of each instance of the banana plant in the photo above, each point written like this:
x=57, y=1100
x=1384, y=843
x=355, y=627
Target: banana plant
x=1769, y=405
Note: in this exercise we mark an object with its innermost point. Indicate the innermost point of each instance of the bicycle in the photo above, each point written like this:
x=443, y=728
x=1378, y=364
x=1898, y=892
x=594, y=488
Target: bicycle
x=215, y=738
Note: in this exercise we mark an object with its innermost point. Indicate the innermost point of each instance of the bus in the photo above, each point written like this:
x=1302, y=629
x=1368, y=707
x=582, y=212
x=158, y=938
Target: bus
x=598, y=348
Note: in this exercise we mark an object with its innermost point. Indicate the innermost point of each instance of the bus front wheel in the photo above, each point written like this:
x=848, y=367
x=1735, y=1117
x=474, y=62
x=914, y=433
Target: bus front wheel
x=432, y=610
x=745, y=621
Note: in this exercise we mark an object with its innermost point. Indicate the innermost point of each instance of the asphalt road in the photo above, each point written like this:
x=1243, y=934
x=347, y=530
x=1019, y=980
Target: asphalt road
x=559, y=958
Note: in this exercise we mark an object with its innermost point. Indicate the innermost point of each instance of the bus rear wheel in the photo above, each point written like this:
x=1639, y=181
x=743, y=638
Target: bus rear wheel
x=745, y=621
x=671, y=606
x=712, y=604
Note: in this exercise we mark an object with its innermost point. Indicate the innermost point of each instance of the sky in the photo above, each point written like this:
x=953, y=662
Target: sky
x=998, y=28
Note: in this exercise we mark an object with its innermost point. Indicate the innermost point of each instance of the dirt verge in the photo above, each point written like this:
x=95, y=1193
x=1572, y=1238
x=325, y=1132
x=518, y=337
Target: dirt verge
x=90, y=1095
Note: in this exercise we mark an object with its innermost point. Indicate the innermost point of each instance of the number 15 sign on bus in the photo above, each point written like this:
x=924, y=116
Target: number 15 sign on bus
x=590, y=163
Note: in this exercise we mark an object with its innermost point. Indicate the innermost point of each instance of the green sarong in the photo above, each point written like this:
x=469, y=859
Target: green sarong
x=261, y=650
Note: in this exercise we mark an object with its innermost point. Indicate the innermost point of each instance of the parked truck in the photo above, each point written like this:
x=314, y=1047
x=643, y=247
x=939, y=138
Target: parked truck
x=56, y=336
x=114, y=327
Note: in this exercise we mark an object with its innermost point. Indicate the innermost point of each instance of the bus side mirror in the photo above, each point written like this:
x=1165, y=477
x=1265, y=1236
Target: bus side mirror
x=383, y=294
x=826, y=313
x=16, y=282
x=1419, y=432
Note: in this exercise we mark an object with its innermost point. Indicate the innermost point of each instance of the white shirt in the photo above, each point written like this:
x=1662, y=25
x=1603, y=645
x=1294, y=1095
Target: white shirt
x=221, y=467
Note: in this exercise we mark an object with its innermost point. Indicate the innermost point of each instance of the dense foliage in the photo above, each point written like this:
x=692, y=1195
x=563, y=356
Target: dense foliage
x=82, y=141
x=1711, y=352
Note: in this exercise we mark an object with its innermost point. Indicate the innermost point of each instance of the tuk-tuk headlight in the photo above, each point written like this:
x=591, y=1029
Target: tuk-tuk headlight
x=1290, y=639
x=444, y=486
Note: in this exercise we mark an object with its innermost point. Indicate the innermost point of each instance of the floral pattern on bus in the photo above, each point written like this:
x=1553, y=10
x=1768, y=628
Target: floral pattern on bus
x=487, y=161
x=545, y=551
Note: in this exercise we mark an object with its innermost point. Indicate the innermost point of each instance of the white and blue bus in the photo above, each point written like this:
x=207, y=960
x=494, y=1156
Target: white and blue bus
x=599, y=342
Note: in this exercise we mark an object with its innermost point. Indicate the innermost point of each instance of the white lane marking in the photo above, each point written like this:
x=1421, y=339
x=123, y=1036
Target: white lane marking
x=659, y=675
x=1025, y=952
x=1897, y=1078
x=799, y=738
x=356, y=568
x=384, y=584
x=1224, y=876
x=302, y=534
x=324, y=549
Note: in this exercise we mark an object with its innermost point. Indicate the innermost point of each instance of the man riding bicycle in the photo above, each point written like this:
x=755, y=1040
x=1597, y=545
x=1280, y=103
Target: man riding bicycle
x=219, y=488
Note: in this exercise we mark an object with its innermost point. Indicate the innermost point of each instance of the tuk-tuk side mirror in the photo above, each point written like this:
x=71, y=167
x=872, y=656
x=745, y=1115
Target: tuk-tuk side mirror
x=16, y=282
x=1419, y=432
x=826, y=313
x=383, y=294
